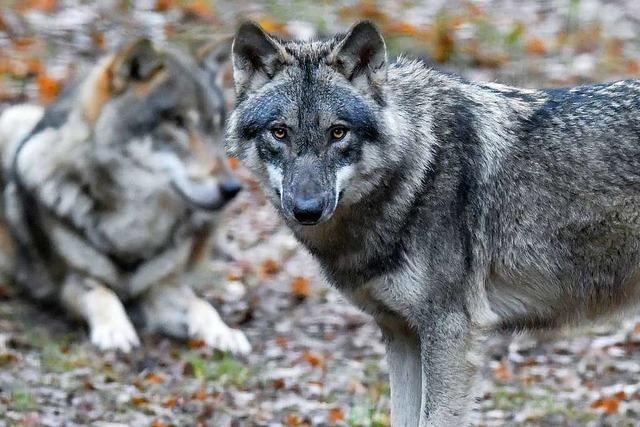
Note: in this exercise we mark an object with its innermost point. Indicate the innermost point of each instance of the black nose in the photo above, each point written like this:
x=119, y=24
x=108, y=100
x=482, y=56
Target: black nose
x=230, y=188
x=308, y=211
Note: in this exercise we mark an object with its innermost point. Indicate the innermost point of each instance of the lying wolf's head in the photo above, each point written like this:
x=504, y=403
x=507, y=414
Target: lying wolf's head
x=155, y=113
x=309, y=119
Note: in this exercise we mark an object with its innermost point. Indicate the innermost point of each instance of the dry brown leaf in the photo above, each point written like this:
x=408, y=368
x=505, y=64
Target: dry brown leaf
x=139, y=400
x=48, y=88
x=502, y=372
x=535, y=46
x=300, y=287
x=201, y=394
x=195, y=344
x=233, y=163
x=153, y=378
x=608, y=405
x=335, y=416
x=271, y=26
x=164, y=5
x=171, y=402
x=200, y=8
x=293, y=420
x=312, y=358
x=269, y=267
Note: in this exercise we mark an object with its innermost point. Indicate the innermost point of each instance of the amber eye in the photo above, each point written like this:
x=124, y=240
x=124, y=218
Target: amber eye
x=279, y=133
x=338, y=133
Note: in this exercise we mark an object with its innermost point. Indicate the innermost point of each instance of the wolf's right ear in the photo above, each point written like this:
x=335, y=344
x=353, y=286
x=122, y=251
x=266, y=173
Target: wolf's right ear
x=137, y=61
x=256, y=58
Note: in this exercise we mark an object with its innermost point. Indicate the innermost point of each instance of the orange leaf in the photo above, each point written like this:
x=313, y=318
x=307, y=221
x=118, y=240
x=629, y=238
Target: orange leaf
x=293, y=420
x=282, y=342
x=535, y=46
x=163, y=5
x=200, y=8
x=312, y=358
x=502, y=372
x=48, y=88
x=609, y=405
x=271, y=26
x=336, y=415
x=157, y=423
x=233, y=163
x=269, y=267
x=47, y=6
x=300, y=287
x=170, y=402
x=139, y=400
x=153, y=378
x=201, y=394
x=195, y=344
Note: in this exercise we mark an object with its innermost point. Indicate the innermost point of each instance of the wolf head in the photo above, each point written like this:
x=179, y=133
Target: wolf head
x=309, y=119
x=156, y=112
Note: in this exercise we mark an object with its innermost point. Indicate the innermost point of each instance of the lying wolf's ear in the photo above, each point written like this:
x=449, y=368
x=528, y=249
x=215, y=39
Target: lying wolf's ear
x=137, y=61
x=256, y=58
x=213, y=56
x=361, y=56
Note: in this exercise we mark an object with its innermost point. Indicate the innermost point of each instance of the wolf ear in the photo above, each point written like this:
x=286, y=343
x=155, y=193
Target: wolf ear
x=256, y=57
x=212, y=57
x=361, y=56
x=137, y=61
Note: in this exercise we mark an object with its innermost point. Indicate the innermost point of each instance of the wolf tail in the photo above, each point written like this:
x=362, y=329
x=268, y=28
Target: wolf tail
x=15, y=124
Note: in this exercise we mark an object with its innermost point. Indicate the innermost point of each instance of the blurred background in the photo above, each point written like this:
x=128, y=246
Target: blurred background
x=316, y=359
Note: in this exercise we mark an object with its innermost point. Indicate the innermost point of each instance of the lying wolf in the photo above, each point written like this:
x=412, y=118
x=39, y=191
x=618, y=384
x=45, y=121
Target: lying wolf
x=111, y=194
x=445, y=208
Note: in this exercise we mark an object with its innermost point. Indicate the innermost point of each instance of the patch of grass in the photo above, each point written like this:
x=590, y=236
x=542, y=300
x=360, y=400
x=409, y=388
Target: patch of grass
x=225, y=370
x=23, y=401
x=367, y=414
x=54, y=359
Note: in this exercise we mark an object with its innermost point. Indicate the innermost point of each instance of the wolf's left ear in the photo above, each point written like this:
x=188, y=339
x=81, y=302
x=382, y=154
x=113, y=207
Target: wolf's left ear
x=256, y=58
x=361, y=56
x=137, y=61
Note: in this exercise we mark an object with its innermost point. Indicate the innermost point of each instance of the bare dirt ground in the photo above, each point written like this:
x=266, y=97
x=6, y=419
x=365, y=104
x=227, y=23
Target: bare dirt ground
x=316, y=359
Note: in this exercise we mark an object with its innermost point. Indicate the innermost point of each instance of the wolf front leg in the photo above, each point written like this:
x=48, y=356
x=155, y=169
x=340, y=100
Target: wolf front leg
x=447, y=350
x=177, y=311
x=109, y=326
x=405, y=375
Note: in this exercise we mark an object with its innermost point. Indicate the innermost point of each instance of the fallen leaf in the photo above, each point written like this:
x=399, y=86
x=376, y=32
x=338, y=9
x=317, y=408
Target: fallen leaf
x=171, y=402
x=195, y=344
x=535, y=46
x=158, y=423
x=312, y=358
x=48, y=88
x=608, y=405
x=300, y=287
x=139, y=400
x=502, y=372
x=336, y=415
x=153, y=378
x=293, y=420
x=269, y=267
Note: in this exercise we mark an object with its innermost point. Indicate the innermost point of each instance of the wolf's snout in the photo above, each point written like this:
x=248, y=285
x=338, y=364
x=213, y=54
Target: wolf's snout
x=308, y=210
x=230, y=188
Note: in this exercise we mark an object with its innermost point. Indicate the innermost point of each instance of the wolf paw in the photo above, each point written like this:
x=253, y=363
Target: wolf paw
x=205, y=323
x=110, y=327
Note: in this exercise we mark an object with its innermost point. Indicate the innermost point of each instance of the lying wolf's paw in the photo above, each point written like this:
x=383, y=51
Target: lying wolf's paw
x=205, y=323
x=110, y=327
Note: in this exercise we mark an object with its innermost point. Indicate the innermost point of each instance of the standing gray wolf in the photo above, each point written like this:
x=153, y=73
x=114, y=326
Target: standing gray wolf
x=445, y=208
x=111, y=192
